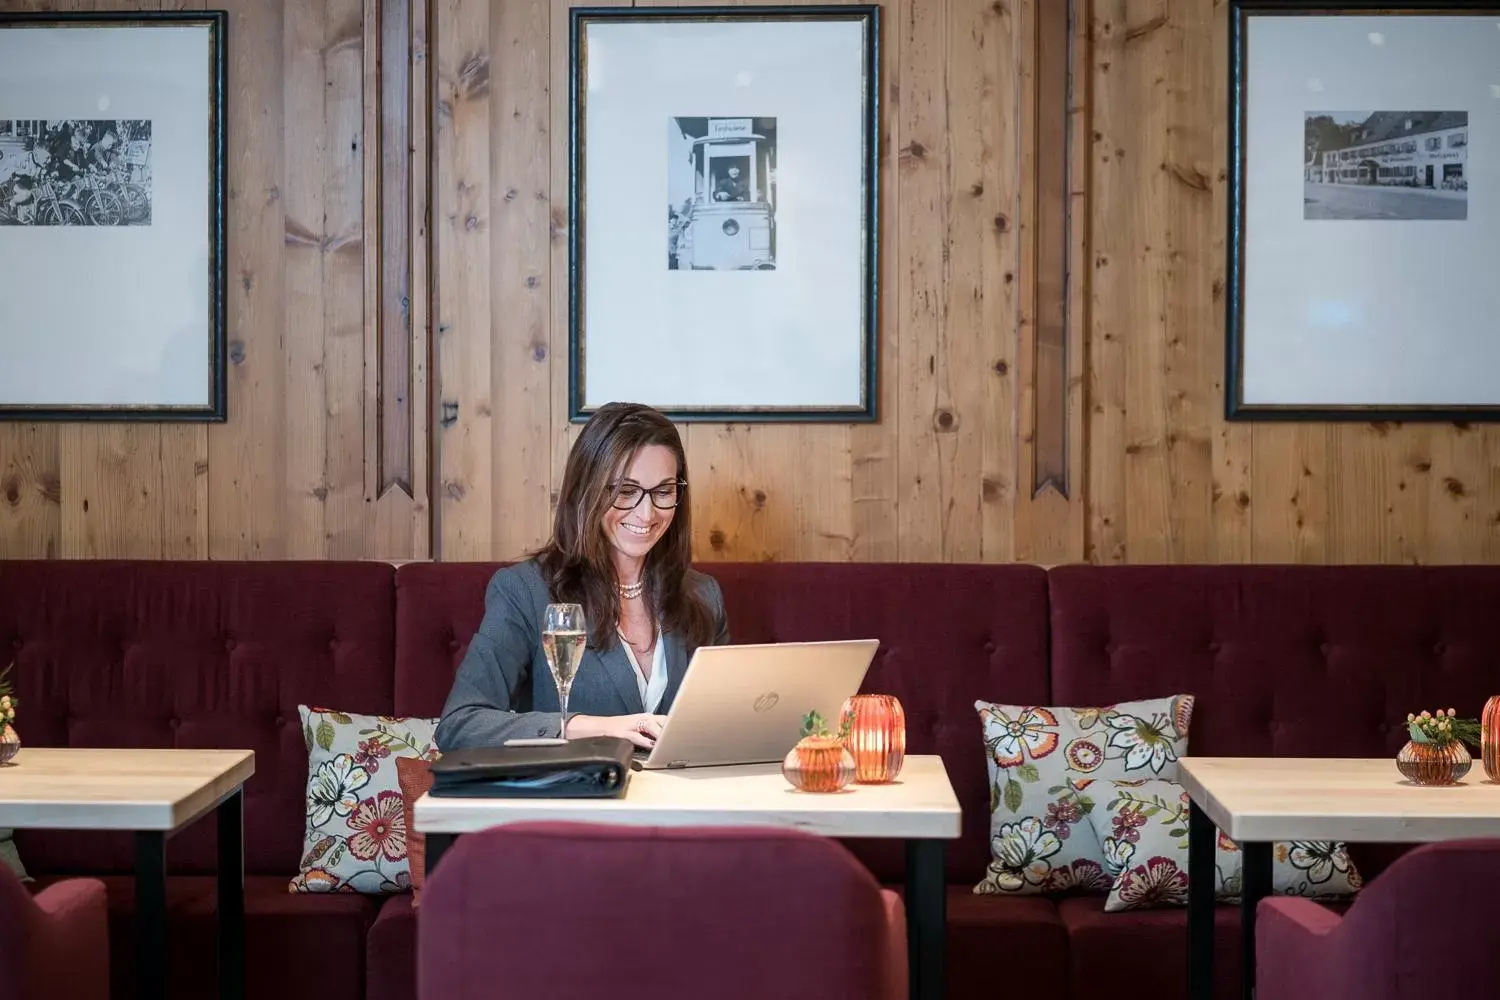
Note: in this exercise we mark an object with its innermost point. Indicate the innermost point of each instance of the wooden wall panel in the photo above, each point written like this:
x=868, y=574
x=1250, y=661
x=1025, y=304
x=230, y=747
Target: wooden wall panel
x=391, y=402
x=933, y=480
x=285, y=476
x=1169, y=479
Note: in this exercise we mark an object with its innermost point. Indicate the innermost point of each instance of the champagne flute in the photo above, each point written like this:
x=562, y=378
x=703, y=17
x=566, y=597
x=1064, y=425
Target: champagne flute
x=563, y=638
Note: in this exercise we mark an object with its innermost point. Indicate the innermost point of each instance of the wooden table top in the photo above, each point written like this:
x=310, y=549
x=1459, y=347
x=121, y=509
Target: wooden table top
x=919, y=804
x=1358, y=800
x=75, y=788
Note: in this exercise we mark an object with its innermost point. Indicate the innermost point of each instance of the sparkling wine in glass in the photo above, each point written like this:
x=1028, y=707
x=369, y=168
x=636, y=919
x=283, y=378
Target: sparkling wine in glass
x=563, y=637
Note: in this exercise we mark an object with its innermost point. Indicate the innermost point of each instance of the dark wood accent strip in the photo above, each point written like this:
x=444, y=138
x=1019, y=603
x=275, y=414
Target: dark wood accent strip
x=1053, y=166
x=394, y=331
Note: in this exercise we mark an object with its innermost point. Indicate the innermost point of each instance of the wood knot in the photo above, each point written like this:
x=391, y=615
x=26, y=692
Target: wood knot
x=989, y=490
x=716, y=540
x=916, y=149
x=532, y=281
x=1002, y=223
x=12, y=490
x=236, y=352
x=945, y=421
x=1454, y=487
x=759, y=496
x=539, y=352
x=1242, y=500
x=1001, y=368
x=474, y=76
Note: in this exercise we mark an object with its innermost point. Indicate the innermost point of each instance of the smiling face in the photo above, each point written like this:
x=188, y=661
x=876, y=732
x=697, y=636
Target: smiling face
x=632, y=533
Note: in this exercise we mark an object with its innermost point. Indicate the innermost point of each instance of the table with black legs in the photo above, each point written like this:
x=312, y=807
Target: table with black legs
x=920, y=808
x=1260, y=801
x=153, y=793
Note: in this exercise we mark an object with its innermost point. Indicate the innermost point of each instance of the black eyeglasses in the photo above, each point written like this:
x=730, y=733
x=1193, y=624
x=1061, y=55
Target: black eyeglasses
x=664, y=497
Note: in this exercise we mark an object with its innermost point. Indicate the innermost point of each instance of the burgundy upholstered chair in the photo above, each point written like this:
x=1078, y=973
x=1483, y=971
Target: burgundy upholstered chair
x=644, y=913
x=1423, y=928
x=54, y=945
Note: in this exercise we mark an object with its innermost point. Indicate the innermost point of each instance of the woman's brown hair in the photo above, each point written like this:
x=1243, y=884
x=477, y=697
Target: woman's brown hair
x=576, y=562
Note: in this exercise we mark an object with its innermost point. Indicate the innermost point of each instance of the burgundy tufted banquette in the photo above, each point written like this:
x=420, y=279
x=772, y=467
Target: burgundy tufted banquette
x=205, y=654
x=1284, y=660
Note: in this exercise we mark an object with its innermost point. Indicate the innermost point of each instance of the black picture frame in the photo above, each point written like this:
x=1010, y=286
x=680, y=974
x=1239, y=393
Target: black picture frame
x=865, y=408
x=91, y=209
x=1238, y=406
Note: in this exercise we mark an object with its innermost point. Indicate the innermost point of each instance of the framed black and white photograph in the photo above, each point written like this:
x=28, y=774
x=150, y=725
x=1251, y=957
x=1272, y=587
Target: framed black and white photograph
x=724, y=198
x=1364, y=223
x=112, y=216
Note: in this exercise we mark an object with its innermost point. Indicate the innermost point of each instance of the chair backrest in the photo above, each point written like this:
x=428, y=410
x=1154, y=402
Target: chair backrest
x=1424, y=928
x=54, y=945
x=15, y=918
x=560, y=909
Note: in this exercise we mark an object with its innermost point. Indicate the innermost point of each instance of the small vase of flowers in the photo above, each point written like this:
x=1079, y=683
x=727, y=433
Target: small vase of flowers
x=819, y=762
x=10, y=743
x=1435, y=754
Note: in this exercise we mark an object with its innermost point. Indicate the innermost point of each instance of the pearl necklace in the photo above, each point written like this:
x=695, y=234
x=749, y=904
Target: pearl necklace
x=633, y=591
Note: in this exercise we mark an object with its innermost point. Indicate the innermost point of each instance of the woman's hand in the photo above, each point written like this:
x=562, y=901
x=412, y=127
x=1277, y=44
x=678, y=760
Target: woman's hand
x=642, y=729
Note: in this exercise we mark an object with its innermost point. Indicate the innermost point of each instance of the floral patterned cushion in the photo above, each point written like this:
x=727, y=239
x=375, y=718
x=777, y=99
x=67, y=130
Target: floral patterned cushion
x=355, y=840
x=1143, y=825
x=1040, y=840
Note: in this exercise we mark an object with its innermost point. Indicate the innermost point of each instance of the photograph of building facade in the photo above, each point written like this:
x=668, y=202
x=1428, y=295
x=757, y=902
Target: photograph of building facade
x=1386, y=165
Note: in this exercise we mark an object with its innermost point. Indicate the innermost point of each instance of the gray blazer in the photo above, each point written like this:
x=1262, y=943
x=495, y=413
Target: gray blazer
x=504, y=690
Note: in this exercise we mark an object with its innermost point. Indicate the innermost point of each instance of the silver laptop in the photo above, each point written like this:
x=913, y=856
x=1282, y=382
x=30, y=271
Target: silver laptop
x=745, y=704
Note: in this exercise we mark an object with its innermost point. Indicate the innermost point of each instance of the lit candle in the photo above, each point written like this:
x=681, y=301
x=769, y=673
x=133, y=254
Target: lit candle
x=876, y=727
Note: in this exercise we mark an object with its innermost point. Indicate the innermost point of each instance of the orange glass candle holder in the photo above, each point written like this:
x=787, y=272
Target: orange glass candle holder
x=876, y=728
x=1489, y=738
x=1434, y=763
x=818, y=764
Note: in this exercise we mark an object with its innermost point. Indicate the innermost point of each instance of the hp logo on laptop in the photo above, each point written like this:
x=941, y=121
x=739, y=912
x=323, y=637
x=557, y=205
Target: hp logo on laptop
x=767, y=701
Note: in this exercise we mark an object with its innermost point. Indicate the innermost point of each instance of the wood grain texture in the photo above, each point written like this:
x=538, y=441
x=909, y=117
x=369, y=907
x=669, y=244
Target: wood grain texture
x=394, y=225
x=1361, y=800
x=120, y=788
x=934, y=479
x=285, y=475
x=306, y=468
x=1168, y=479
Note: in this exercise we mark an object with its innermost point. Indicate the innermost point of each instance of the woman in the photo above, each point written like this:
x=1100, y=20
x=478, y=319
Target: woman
x=620, y=547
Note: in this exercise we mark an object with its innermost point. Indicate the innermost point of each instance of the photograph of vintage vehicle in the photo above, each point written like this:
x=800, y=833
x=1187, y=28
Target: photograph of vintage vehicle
x=77, y=172
x=721, y=194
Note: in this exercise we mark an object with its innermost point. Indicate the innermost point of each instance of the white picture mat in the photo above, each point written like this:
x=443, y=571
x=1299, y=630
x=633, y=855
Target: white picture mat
x=789, y=337
x=1368, y=312
x=112, y=316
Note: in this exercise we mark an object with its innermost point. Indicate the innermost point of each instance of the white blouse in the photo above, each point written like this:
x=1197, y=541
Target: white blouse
x=651, y=690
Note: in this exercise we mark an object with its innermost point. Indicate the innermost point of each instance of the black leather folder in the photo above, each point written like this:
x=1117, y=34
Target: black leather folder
x=596, y=767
